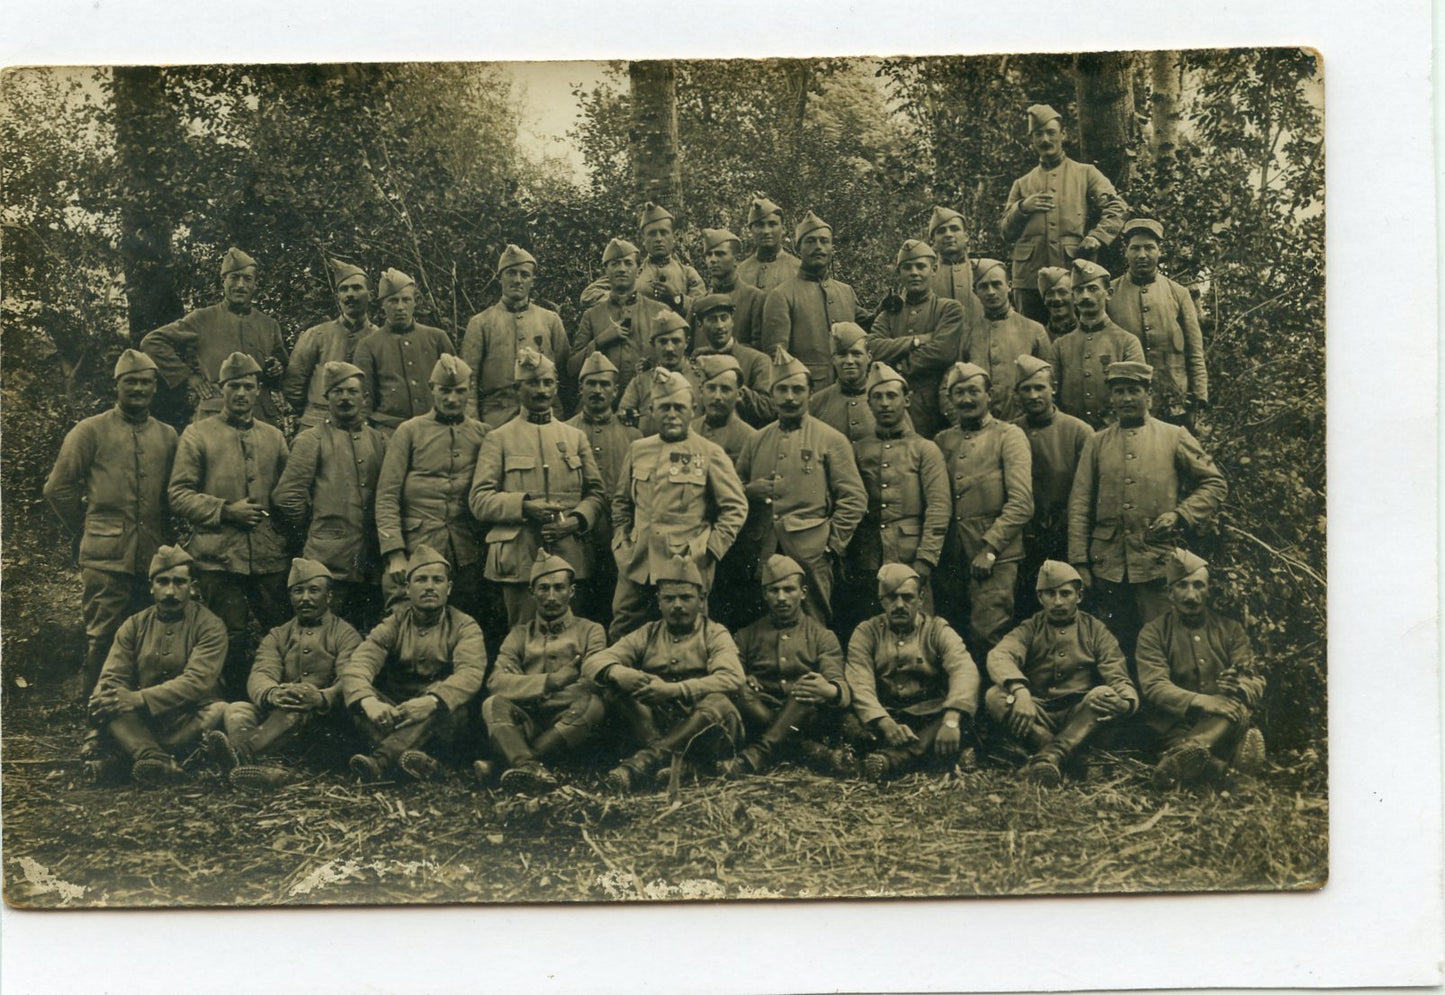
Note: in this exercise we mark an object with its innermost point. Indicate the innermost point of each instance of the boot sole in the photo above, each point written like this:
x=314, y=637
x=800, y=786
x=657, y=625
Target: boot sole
x=1044, y=775
x=527, y=782
x=1184, y=765
x=1249, y=756
x=251, y=778
x=419, y=766
x=153, y=773
x=365, y=771
x=221, y=751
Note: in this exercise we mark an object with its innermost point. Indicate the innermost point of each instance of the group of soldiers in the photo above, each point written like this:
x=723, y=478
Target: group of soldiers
x=757, y=475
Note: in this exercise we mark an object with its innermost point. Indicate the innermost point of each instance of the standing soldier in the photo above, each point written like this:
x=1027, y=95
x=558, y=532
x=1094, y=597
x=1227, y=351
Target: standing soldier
x=669, y=349
x=189, y=352
x=989, y=464
x=803, y=483
x=536, y=484
x=722, y=248
x=334, y=341
x=770, y=265
x=953, y=277
x=1084, y=354
x=328, y=491
x=396, y=358
x=494, y=336
x=677, y=495
x=619, y=324
x=225, y=474
x=843, y=404
x=721, y=391
x=1047, y=215
x=1057, y=291
x=1162, y=314
x=1138, y=482
x=713, y=324
x=422, y=491
x=108, y=487
x=663, y=276
x=799, y=315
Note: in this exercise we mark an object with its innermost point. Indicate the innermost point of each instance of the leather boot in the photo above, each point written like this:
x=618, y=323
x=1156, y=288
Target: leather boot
x=1046, y=766
x=679, y=737
x=549, y=743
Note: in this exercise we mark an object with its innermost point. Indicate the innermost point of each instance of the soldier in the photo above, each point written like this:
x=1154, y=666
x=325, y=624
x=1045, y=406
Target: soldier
x=619, y=324
x=413, y=678
x=157, y=691
x=714, y=313
x=328, y=491
x=494, y=336
x=989, y=463
x=108, y=487
x=721, y=393
x=1057, y=291
x=540, y=705
x=770, y=265
x=334, y=341
x=678, y=494
x=292, y=682
x=799, y=314
x=1200, y=683
x=1057, y=678
x=422, y=491
x=609, y=440
x=914, y=685
x=1048, y=210
x=225, y=475
x=921, y=315
x=396, y=357
x=1004, y=336
x=189, y=352
x=803, y=483
x=663, y=276
x=1162, y=314
x=953, y=277
x=669, y=349
x=669, y=681
x=746, y=315
x=536, y=484
x=794, y=678
x=1084, y=354
x=843, y=404
x=1138, y=482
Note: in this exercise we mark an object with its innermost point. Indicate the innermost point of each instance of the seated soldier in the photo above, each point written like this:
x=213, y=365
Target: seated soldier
x=914, y=685
x=412, y=678
x=794, y=671
x=292, y=680
x=1057, y=678
x=157, y=692
x=540, y=704
x=1199, y=681
x=670, y=679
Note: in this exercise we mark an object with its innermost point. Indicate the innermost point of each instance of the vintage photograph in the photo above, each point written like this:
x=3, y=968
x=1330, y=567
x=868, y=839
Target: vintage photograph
x=827, y=477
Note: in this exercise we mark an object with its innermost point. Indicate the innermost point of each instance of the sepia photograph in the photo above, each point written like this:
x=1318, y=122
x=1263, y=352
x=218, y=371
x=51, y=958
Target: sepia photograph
x=669, y=480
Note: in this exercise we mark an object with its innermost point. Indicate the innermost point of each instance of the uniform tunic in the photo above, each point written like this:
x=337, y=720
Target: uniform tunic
x=799, y=315
x=991, y=471
x=892, y=339
x=846, y=411
x=422, y=490
x=294, y=653
x=1162, y=314
x=1060, y=663
x=730, y=436
x=771, y=655
x=304, y=384
x=1055, y=446
x=1179, y=662
x=909, y=502
x=398, y=367
x=176, y=666
x=201, y=341
x=1051, y=238
x=636, y=313
x=955, y=282
x=747, y=312
x=537, y=648
x=490, y=347
x=996, y=346
x=921, y=672
x=1080, y=359
x=329, y=488
x=638, y=397
x=401, y=659
x=768, y=275
x=678, y=275
x=755, y=401
x=701, y=662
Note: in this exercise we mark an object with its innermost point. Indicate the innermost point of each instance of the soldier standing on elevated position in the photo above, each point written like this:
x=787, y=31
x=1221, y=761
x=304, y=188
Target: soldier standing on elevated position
x=619, y=324
x=663, y=275
x=953, y=278
x=1082, y=356
x=770, y=265
x=1057, y=290
x=669, y=350
x=843, y=404
x=799, y=315
x=334, y=341
x=397, y=357
x=1049, y=209
x=722, y=248
x=713, y=335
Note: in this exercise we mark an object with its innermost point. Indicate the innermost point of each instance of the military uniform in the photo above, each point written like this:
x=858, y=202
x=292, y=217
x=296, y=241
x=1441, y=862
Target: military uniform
x=1081, y=357
x=1179, y=660
x=747, y=314
x=304, y=383
x=844, y=410
x=893, y=338
x=609, y=441
x=200, y=342
x=490, y=348
x=799, y=315
x=730, y=436
x=768, y=276
x=755, y=402
x=995, y=345
x=1055, y=443
x=397, y=365
x=1163, y=316
x=631, y=318
x=638, y=396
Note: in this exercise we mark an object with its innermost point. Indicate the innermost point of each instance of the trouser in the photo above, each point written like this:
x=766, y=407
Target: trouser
x=988, y=614
x=635, y=604
x=1030, y=303
x=1057, y=730
x=775, y=721
x=520, y=732
x=235, y=597
x=444, y=725
x=358, y=602
x=595, y=592
x=708, y=728
x=520, y=604
x=1215, y=733
x=139, y=736
x=107, y=599
x=255, y=732
x=1124, y=608
x=909, y=755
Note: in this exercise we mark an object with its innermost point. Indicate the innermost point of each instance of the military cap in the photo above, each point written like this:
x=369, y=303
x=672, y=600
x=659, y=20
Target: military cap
x=786, y=366
x=548, y=563
x=450, y=371
x=679, y=568
x=940, y=217
x=1030, y=366
x=425, y=556
x=668, y=384
x=303, y=570
x=531, y=363
x=713, y=237
x=132, y=361
x=618, y=248
x=393, y=281
x=779, y=566
x=234, y=260
x=761, y=208
x=1042, y=114
x=844, y=334
x=892, y=576
x=336, y=372
x=982, y=267
x=667, y=320
x=237, y=365
x=344, y=271
x=881, y=373
x=914, y=249
x=1143, y=224
x=1051, y=276
x=596, y=364
x=706, y=305
x=959, y=372
x=514, y=255
x=810, y=222
x=1181, y=563
x=168, y=557
x=1056, y=573
x=1130, y=371
x=653, y=213
x=1087, y=271
x=715, y=364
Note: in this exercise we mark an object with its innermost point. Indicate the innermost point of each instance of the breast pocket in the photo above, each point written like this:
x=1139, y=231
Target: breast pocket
x=104, y=537
x=518, y=468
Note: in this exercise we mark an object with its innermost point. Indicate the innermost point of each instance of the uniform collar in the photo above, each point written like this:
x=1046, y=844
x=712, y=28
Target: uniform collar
x=1091, y=329
x=1046, y=420
x=589, y=419
x=359, y=325
x=896, y=433
x=241, y=311
x=442, y=419
x=922, y=297
x=624, y=301
x=983, y=423
x=518, y=308
x=538, y=417
x=803, y=274
x=1002, y=315
x=237, y=423
x=143, y=419
x=556, y=628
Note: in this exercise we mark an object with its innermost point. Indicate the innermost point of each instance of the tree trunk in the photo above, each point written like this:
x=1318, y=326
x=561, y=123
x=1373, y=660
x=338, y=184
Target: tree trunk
x=1104, y=89
x=656, y=168
x=147, y=133
x=1165, y=84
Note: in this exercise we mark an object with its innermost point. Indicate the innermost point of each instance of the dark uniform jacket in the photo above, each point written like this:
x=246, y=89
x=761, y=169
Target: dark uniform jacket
x=1061, y=663
x=422, y=490
x=200, y=343
x=921, y=673
x=1179, y=662
x=329, y=489
x=701, y=662
x=909, y=501
x=1080, y=359
x=771, y=655
x=1163, y=316
x=799, y=315
x=609, y=442
x=536, y=648
x=1051, y=238
x=398, y=369
x=304, y=383
x=490, y=347
x=292, y=653
x=402, y=659
x=955, y=281
x=174, y=665
x=991, y=471
x=892, y=339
